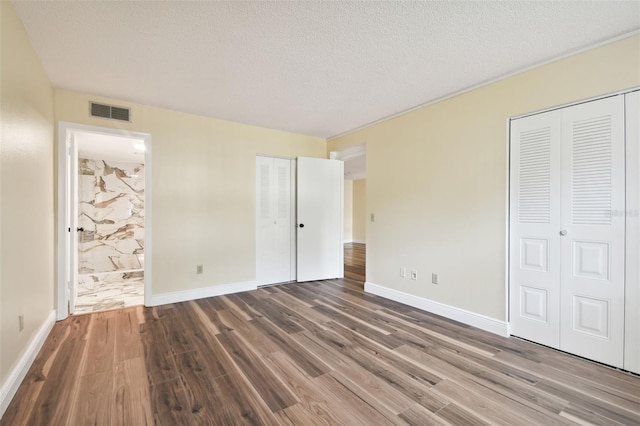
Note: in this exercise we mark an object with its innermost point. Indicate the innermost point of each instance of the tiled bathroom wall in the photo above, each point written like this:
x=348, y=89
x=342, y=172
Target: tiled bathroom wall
x=111, y=211
x=111, y=247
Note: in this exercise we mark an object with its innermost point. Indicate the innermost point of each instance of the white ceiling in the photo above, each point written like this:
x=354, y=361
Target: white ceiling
x=317, y=68
x=109, y=147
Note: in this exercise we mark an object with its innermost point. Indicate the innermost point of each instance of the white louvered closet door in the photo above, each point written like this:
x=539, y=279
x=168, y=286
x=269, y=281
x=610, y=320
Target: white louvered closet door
x=593, y=221
x=535, y=221
x=567, y=229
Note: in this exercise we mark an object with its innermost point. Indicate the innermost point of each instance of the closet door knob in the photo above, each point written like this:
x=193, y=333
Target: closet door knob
x=81, y=229
x=563, y=232
x=301, y=225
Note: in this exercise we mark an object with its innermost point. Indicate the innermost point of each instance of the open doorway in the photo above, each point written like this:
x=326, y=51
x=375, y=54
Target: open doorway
x=355, y=210
x=110, y=208
x=104, y=214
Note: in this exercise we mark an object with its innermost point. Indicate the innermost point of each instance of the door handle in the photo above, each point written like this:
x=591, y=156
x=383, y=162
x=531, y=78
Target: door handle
x=301, y=225
x=563, y=232
x=81, y=229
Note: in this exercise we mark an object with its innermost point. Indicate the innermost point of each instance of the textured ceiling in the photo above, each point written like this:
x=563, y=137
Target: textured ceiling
x=317, y=68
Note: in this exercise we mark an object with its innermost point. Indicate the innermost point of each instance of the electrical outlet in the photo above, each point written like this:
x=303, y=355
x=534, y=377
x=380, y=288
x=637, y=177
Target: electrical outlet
x=20, y=322
x=434, y=278
x=414, y=274
x=199, y=269
x=403, y=272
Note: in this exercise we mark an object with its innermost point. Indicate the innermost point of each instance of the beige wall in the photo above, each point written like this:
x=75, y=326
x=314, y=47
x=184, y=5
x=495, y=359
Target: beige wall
x=437, y=178
x=360, y=210
x=203, y=188
x=26, y=188
x=348, y=210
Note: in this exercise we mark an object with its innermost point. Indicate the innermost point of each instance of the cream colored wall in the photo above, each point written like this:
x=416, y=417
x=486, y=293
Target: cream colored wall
x=203, y=188
x=348, y=210
x=360, y=210
x=26, y=188
x=437, y=178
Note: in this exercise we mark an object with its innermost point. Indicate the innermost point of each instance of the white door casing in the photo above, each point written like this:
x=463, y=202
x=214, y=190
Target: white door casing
x=320, y=185
x=593, y=216
x=73, y=223
x=275, y=224
x=534, y=223
x=632, y=273
x=68, y=218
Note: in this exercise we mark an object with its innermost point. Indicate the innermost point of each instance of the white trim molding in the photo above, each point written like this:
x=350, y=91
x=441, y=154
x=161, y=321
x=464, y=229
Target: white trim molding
x=201, y=293
x=19, y=371
x=482, y=322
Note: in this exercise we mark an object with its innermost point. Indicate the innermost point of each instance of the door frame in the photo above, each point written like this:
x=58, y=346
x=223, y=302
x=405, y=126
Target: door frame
x=64, y=166
x=632, y=251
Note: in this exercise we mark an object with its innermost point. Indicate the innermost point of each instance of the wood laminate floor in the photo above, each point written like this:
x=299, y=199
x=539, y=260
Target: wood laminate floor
x=307, y=354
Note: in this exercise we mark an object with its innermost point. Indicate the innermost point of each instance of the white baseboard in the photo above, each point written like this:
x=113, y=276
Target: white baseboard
x=18, y=373
x=466, y=317
x=201, y=293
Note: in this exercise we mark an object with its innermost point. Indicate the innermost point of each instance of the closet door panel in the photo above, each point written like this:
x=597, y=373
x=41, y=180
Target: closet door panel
x=265, y=231
x=274, y=221
x=593, y=230
x=283, y=223
x=534, y=240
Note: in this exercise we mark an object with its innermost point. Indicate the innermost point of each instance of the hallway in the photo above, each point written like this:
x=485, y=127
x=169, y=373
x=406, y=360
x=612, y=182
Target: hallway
x=355, y=261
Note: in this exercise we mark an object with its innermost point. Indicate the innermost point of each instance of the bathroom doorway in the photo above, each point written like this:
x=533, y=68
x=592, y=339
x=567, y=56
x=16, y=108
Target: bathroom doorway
x=106, y=217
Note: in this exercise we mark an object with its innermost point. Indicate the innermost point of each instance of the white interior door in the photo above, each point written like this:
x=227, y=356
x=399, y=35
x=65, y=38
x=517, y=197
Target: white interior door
x=535, y=222
x=274, y=226
x=593, y=230
x=320, y=186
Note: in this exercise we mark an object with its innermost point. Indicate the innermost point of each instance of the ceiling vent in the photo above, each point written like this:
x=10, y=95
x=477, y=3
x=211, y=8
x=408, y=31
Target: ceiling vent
x=109, y=111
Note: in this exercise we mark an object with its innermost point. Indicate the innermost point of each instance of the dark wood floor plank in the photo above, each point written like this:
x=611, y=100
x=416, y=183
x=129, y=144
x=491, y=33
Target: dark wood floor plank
x=201, y=392
x=591, y=403
x=417, y=415
x=411, y=384
x=52, y=405
x=169, y=404
x=131, y=400
x=309, y=353
x=127, y=336
x=494, y=407
x=92, y=407
x=214, y=323
x=389, y=357
x=268, y=386
x=312, y=365
x=32, y=385
x=456, y=415
x=159, y=359
x=456, y=367
x=387, y=340
x=313, y=403
x=301, y=319
x=101, y=346
x=237, y=396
